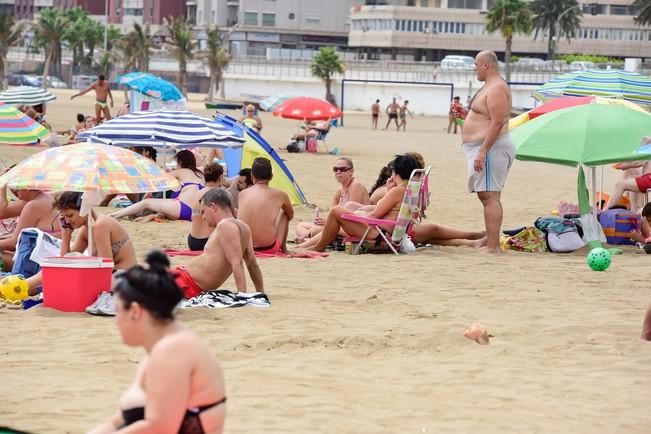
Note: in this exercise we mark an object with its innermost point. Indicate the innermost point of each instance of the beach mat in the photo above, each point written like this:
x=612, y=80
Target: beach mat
x=259, y=255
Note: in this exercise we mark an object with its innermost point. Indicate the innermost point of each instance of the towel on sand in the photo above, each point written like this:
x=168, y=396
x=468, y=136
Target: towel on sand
x=259, y=255
x=223, y=298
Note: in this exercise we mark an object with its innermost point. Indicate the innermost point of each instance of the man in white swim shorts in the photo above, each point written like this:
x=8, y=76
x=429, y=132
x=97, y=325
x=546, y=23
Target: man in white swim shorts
x=487, y=144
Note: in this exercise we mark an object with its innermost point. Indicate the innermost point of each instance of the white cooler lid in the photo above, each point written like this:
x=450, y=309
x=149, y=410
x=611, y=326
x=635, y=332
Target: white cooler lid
x=76, y=262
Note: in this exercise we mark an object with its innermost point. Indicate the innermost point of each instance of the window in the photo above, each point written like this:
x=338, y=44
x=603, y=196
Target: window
x=465, y=4
x=250, y=18
x=623, y=10
x=424, y=3
x=268, y=20
x=212, y=16
x=151, y=12
x=312, y=20
x=133, y=11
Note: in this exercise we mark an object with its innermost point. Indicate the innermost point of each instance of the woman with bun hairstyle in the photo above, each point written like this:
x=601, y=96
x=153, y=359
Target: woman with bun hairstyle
x=178, y=386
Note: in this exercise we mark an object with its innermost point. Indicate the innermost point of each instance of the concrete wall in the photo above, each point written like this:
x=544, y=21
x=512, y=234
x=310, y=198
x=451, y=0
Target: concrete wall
x=423, y=99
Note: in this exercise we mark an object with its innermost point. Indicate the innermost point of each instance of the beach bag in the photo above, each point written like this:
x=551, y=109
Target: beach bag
x=529, y=239
x=565, y=242
x=617, y=225
x=311, y=144
x=562, y=235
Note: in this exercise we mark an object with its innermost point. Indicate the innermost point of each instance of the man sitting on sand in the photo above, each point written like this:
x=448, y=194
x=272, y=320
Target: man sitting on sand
x=266, y=210
x=228, y=247
x=200, y=229
x=242, y=182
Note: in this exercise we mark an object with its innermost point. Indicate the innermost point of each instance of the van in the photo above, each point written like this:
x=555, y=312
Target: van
x=464, y=63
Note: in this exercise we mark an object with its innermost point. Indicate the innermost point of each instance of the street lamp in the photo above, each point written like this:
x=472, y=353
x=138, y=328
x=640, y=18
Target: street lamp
x=593, y=11
x=106, y=3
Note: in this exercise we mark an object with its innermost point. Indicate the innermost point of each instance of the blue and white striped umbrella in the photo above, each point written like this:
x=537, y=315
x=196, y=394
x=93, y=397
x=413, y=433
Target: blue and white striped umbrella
x=163, y=129
x=26, y=95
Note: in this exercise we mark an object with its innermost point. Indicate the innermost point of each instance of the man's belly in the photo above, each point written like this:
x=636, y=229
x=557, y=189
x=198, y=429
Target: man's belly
x=209, y=271
x=475, y=127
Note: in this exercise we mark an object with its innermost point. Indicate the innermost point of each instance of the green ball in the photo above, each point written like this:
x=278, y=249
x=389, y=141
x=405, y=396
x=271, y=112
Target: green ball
x=599, y=259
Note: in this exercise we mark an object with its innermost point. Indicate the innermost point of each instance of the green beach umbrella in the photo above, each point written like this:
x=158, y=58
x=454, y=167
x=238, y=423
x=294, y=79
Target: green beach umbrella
x=586, y=135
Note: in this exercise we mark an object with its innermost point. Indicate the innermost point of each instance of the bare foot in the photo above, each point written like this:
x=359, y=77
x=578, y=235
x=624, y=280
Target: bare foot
x=479, y=243
x=145, y=218
x=477, y=235
x=478, y=333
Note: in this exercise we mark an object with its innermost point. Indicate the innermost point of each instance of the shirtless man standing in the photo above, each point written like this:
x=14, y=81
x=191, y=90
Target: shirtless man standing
x=392, y=111
x=487, y=144
x=375, y=114
x=266, y=210
x=102, y=92
x=228, y=247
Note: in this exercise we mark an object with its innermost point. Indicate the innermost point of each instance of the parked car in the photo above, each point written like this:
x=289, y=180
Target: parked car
x=581, y=65
x=31, y=80
x=52, y=82
x=530, y=63
x=464, y=63
x=555, y=65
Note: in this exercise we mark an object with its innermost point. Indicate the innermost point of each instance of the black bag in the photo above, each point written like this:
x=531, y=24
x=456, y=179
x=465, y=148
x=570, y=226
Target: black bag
x=293, y=147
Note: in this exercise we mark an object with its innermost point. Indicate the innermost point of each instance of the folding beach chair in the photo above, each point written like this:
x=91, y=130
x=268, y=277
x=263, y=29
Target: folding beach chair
x=412, y=210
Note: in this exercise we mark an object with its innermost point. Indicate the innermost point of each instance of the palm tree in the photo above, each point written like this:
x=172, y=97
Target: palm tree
x=325, y=64
x=508, y=17
x=104, y=65
x=134, y=48
x=216, y=59
x=644, y=16
x=93, y=34
x=10, y=34
x=183, y=45
x=74, y=33
x=49, y=30
x=554, y=16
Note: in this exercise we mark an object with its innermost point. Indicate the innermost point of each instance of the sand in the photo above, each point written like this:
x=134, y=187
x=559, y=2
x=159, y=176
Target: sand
x=374, y=343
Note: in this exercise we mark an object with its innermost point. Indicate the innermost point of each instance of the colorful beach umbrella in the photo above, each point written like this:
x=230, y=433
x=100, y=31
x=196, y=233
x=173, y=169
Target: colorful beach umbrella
x=272, y=102
x=87, y=167
x=611, y=83
x=570, y=101
x=163, y=129
x=584, y=135
x=591, y=134
x=16, y=128
x=26, y=95
x=151, y=85
x=307, y=108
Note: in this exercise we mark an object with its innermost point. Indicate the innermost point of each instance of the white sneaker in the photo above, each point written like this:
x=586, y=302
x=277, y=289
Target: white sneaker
x=107, y=306
x=92, y=309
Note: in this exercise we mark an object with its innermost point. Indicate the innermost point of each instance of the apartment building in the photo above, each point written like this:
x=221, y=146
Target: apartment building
x=7, y=7
x=261, y=24
x=430, y=29
x=122, y=13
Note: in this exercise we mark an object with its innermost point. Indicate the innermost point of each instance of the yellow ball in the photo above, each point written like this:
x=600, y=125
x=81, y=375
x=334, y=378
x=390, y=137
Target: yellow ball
x=14, y=288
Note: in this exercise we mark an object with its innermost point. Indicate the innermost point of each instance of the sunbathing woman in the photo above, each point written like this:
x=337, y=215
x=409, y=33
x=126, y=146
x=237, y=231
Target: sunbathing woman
x=37, y=212
x=110, y=238
x=178, y=386
x=387, y=208
x=179, y=207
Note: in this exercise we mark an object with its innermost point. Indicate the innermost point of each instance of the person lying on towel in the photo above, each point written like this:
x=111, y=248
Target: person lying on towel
x=387, y=208
x=228, y=247
x=266, y=210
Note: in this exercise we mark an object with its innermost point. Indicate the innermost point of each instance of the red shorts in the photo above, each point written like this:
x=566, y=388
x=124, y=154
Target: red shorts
x=643, y=182
x=274, y=249
x=186, y=283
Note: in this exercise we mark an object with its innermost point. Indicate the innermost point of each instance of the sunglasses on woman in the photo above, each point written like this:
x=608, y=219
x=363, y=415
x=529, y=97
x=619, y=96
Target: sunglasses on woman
x=340, y=169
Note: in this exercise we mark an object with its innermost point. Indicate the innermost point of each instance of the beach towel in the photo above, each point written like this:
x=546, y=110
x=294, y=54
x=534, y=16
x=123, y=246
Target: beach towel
x=223, y=298
x=32, y=247
x=259, y=255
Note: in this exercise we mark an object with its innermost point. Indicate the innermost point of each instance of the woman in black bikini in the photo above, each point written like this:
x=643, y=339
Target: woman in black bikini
x=178, y=385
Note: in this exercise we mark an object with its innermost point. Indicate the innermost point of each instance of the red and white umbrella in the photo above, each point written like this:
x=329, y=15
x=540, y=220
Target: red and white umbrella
x=307, y=108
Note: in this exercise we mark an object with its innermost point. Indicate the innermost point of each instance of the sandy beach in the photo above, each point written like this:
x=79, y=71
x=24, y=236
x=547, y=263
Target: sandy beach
x=374, y=343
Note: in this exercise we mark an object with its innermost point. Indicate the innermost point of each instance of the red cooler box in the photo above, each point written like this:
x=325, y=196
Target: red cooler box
x=71, y=284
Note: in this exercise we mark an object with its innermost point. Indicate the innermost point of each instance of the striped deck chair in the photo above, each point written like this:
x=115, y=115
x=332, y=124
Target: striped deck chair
x=412, y=210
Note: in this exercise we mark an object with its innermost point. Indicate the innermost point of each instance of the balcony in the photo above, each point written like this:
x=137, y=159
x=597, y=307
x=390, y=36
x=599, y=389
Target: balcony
x=235, y=3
